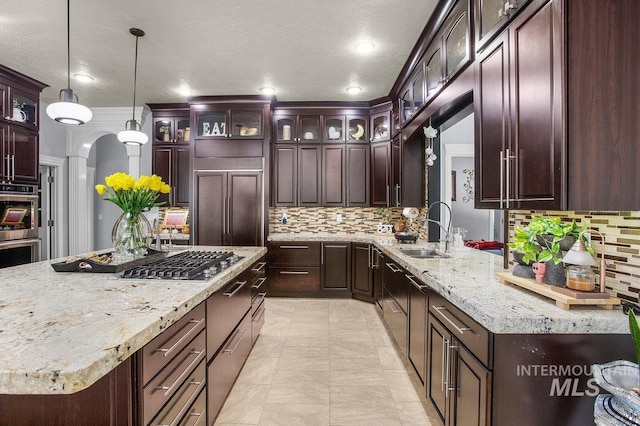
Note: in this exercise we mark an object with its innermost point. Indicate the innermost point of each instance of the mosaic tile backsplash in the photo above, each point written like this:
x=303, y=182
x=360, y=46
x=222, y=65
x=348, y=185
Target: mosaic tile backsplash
x=621, y=232
x=620, y=229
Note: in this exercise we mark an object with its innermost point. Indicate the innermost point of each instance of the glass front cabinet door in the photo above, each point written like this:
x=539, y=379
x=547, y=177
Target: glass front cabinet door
x=22, y=108
x=357, y=129
x=380, y=127
x=236, y=124
x=334, y=129
x=492, y=16
x=212, y=124
x=457, y=40
x=171, y=130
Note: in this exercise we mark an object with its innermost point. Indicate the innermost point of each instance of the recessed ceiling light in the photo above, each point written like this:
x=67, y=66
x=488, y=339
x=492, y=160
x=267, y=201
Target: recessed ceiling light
x=365, y=46
x=84, y=78
x=185, y=91
x=267, y=90
x=354, y=90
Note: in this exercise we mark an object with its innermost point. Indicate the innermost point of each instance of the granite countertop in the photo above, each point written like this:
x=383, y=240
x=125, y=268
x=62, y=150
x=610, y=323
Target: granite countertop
x=467, y=278
x=61, y=332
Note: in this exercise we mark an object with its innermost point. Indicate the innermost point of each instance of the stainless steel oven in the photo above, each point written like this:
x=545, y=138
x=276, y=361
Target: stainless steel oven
x=19, y=242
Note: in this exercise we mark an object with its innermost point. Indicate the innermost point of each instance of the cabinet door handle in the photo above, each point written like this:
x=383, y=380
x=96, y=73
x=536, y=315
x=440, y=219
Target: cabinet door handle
x=228, y=215
x=13, y=166
x=239, y=285
x=415, y=284
x=450, y=379
x=369, y=257
x=257, y=286
x=177, y=382
x=460, y=330
x=295, y=247
x=260, y=267
x=502, y=161
x=387, y=196
x=443, y=381
x=185, y=338
x=294, y=272
x=393, y=267
x=258, y=316
x=230, y=351
x=392, y=307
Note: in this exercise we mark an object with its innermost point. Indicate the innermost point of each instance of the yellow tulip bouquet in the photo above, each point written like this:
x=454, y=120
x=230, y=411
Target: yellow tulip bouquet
x=132, y=231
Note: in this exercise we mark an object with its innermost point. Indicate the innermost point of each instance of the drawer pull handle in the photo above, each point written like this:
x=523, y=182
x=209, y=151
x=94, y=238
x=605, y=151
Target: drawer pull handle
x=230, y=351
x=185, y=337
x=295, y=247
x=393, y=267
x=260, y=268
x=181, y=378
x=294, y=272
x=420, y=287
x=460, y=330
x=239, y=284
x=258, y=316
x=257, y=286
x=392, y=308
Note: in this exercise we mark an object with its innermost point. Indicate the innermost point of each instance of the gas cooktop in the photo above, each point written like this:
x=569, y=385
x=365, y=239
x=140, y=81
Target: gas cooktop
x=188, y=265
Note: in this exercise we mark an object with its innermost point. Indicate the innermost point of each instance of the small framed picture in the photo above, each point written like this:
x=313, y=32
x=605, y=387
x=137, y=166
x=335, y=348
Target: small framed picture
x=177, y=218
x=13, y=215
x=453, y=185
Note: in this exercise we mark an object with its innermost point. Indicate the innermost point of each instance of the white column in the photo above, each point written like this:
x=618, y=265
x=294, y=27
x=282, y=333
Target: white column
x=79, y=141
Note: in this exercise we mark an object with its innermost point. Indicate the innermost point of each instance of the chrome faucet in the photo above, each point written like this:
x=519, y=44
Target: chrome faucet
x=447, y=230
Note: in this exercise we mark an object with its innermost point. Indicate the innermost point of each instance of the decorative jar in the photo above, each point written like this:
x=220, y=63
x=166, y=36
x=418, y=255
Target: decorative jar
x=581, y=278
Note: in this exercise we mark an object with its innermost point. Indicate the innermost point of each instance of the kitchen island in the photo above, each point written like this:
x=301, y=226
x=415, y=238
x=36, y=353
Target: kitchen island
x=65, y=335
x=488, y=352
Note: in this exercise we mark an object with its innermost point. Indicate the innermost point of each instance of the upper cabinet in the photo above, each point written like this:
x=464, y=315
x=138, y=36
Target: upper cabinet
x=444, y=57
x=492, y=16
x=291, y=127
x=229, y=127
x=220, y=122
x=380, y=126
x=518, y=114
x=346, y=128
x=171, y=123
x=19, y=121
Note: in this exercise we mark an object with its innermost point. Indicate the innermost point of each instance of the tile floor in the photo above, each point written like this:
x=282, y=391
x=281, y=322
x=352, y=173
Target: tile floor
x=325, y=362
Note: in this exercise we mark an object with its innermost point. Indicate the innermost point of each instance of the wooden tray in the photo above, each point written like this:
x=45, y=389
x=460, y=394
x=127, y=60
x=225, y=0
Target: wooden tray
x=88, y=265
x=563, y=301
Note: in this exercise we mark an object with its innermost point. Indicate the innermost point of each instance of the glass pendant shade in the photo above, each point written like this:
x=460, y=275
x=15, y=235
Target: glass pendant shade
x=132, y=134
x=68, y=110
x=578, y=255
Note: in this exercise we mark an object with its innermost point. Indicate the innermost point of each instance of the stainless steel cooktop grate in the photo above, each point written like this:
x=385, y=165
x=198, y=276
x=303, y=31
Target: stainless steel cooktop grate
x=189, y=265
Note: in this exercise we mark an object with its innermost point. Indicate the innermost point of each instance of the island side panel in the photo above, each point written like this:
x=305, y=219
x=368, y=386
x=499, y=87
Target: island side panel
x=546, y=379
x=109, y=401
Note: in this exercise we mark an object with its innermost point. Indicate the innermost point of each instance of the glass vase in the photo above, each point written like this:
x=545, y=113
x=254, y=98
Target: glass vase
x=131, y=236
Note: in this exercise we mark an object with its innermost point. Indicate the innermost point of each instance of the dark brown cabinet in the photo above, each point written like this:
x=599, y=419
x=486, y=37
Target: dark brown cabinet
x=381, y=174
x=171, y=123
x=20, y=154
x=378, y=260
x=518, y=113
x=171, y=163
x=228, y=208
x=335, y=267
x=333, y=175
x=492, y=16
x=458, y=365
x=296, y=175
x=357, y=175
x=294, y=268
x=19, y=121
x=292, y=127
x=456, y=39
x=395, y=305
x=418, y=305
x=380, y=126
x=361, y=271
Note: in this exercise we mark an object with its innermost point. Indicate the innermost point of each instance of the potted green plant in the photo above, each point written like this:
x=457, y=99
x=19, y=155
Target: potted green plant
x=543, y=241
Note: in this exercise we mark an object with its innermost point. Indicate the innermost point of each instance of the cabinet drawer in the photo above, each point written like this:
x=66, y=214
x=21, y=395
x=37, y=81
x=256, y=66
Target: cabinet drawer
x=225, y=367
x=169, y=381
x=225, y=309
x=197, y=414
x=161, y=350
x=396, y=284
x=294, y=253
x=472, y=335
x=181, y=404
x=257, y=321
x=396, y=320
x=294, y=279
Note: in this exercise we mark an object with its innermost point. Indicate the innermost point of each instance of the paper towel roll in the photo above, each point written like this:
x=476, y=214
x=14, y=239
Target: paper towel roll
x=410, y=212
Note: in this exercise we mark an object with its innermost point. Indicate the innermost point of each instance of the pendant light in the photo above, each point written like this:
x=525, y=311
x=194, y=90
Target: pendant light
x=68, y=110
x=132, y=135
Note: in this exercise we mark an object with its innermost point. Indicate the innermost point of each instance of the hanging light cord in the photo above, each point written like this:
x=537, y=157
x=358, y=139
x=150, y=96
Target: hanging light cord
x=135, y=78
x=68, y=47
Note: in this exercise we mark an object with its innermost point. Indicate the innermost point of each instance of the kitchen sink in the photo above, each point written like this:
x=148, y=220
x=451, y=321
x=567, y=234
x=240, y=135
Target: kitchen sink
x=423, y=253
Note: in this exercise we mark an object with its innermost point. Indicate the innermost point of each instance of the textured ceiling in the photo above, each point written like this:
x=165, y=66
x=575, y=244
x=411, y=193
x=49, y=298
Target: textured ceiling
x=303, y=48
